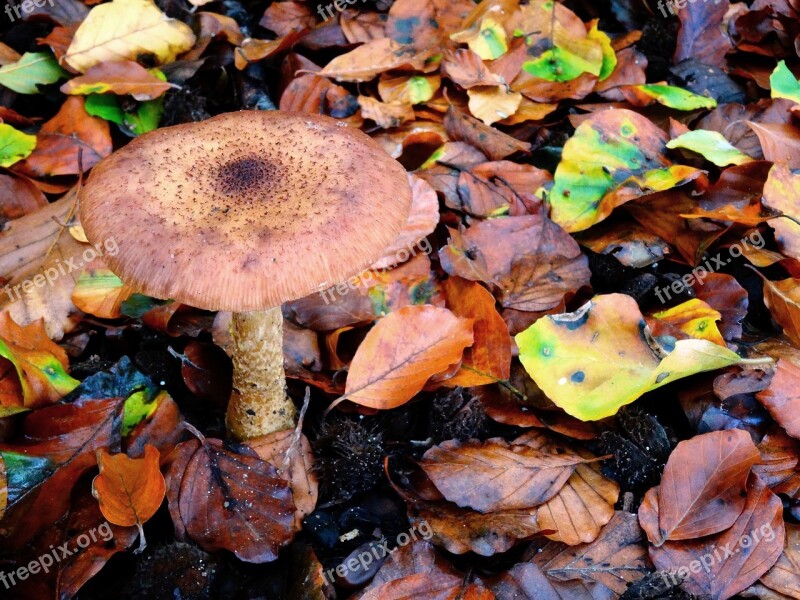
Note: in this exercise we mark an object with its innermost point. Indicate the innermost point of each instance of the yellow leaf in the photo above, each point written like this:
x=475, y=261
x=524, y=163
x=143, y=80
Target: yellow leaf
x=124, y=30
x=493, y=103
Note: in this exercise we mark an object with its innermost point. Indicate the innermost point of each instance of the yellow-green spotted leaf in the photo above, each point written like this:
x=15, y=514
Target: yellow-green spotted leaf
x=602, y=357
x=489, y=42
x=14, y=145
x=675, y=97
x=784, y=84
x=31, y=70
x=42, y=378
x=614, y=156
x=712, y=145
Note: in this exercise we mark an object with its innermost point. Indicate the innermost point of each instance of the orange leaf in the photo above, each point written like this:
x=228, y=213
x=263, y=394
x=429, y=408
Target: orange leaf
x=63, y=137
x=783, y=300
x=702, y=491
x=129, y=490
x=402, y=352
x=489, y=358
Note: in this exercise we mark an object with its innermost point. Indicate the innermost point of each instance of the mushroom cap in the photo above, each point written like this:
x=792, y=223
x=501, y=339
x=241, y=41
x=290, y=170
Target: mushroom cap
x=246, y=210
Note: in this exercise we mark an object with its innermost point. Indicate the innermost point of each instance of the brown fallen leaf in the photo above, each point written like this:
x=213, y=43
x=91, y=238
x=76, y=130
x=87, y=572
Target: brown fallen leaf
x=18, y=197
x=3, y=487
x=223, y=499
x=67, y=435
x=402, y=352
x=129, y=490
x=295, y=464
x=782, y=397
x=526, y=581
x=24, y=248
x=385, y=115
x=701, y=490
x=784, y=576
x=373, y=58
x=780, y=455
x=614, y=560
x=99, y=292
x=423, y=585
x=781, y=193
x=492, y=142
x=59, y=142
x=92, y=541
x=531, y=260
x=783, y=300
x=581, y=508
x=722, y=565
x=780, y=142
x=460, y=530
x=124, y=77
x=495, y=476
x=285, y=17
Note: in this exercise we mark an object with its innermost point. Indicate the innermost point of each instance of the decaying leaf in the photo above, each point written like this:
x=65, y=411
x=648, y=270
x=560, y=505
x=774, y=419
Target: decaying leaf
x=568, y=357
x=223, y=499
x=701, y=490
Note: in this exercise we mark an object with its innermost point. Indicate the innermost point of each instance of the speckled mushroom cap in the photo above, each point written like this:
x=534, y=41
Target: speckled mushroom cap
x=246, y=210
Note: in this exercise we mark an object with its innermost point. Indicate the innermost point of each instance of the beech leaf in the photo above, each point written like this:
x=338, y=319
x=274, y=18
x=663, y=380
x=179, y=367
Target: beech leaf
x=129, y=490
x=402, y=352
x=601, y=357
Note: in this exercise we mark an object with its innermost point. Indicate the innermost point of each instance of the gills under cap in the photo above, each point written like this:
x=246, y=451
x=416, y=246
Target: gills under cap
x=246, y=210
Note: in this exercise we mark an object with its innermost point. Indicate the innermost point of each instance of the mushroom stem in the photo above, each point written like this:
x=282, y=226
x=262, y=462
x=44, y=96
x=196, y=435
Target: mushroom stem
x=258, y=404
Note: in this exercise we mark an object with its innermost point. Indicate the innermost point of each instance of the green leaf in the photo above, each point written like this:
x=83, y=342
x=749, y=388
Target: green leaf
x=712, y=145
x=138, y=304
x=675, y=97
x=14, y=145
x=602, y=357
x=614, y=156
x=145, y=118
x=32, y=69
x=105, y=106
x=559, y=64
x=783, y=83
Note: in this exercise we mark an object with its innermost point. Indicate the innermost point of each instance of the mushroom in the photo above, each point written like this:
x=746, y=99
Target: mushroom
x=243, y=212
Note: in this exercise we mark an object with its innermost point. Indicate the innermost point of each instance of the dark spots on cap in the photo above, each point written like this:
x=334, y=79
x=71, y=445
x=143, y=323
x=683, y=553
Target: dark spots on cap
x=244, y=174
x=578, y=377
